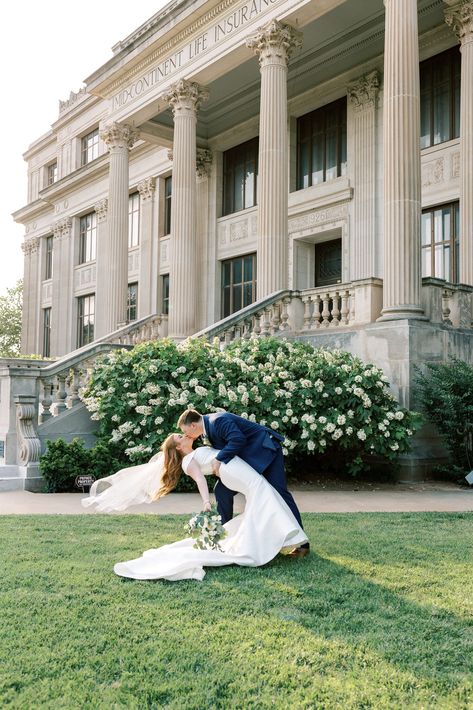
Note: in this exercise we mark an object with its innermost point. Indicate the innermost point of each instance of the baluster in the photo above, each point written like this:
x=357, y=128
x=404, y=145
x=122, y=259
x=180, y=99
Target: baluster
x=317, y=311
x=285, y=314
x=247, y=329
x=74, y=396
x=266, y=324
x=276, y=319
x=257, y=325
x=351, y=307
x=47, y=399
x=227, y=337
x=155, y=323
x=336, y=309
x=307, y=301
x=326, y=310
x=61, y=394
x=446, y=306
x=344, y=310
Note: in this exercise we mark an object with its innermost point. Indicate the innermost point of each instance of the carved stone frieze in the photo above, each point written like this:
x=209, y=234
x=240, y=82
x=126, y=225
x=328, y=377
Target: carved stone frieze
x=275, y=42
x=101, y=208
x=204, y=162
x=185, y=97
x=433, y=172
x=239, y=230
x=146, y=188
x=62, y=228
x=318, y=217
x=455, y=165
x=363, y=92
x=119, y=135
x=460, y=18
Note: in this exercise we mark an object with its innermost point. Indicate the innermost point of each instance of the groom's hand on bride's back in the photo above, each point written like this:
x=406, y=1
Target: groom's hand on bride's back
x=216, y=468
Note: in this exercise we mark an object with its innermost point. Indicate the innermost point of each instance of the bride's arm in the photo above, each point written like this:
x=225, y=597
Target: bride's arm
x=196, y=474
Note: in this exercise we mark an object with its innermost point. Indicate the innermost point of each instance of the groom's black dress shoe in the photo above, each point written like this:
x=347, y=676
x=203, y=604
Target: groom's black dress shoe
x=301, y=551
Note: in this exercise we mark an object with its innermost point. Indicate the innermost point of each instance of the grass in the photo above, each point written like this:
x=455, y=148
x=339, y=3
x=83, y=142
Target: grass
x=378, y=616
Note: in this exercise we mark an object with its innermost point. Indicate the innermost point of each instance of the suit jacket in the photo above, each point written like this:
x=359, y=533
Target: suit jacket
x=235, y=436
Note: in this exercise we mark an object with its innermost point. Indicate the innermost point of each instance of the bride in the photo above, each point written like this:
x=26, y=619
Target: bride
x=253, y=538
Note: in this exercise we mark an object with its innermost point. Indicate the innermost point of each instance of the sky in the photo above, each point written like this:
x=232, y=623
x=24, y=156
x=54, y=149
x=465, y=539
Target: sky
x=47, y=50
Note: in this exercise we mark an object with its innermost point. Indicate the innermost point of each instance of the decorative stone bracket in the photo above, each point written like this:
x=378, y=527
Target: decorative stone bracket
x=29, y=445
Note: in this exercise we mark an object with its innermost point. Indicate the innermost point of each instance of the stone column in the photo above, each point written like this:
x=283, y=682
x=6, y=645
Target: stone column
x=119, y=138
x=274, y=44
x=402, y=269
x=185, y=98
x=206, y=265
x=149, y=257
x=460, y=18
x=31, y=307
x=61, y=331
x=363, y=95
x=101, y=325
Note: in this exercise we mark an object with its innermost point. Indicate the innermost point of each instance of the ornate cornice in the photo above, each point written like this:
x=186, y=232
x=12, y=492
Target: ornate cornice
x=364, y=91
x=101, y=208
x=275, y=42
x=185, y=97
x=62, y=228
x=204, y=162
x=460, y=18
x=119, y=135
x=74, y=97
x=146, y=188
x=30, y=246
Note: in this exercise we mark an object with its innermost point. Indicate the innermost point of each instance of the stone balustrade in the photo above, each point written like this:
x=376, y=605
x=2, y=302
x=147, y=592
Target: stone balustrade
x=447, y=303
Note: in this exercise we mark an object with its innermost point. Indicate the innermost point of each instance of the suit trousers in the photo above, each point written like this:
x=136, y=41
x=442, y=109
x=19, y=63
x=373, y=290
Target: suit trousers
x=274, y=474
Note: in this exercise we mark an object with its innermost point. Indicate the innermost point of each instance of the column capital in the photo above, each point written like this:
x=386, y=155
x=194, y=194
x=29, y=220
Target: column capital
x=363, y=92
x=101, y=208
x=204, y=162
x=185, y=97
x=146, y=188
x=274, y=43
x=460, y=18
x=118, y=135
x=30, y=246
x=62, y=228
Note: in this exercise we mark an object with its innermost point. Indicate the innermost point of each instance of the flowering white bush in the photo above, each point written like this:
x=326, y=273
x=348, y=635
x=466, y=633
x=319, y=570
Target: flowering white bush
x=319, y=399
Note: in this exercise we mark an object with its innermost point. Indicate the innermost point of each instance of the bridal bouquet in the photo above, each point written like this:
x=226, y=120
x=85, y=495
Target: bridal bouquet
x=207, y=529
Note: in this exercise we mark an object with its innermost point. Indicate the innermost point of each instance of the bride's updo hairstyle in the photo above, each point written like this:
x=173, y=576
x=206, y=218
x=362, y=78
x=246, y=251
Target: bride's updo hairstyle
x=172, y=467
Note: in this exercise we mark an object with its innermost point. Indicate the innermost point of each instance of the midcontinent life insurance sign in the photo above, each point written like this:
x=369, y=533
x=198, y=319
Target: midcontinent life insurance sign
x=215, y=34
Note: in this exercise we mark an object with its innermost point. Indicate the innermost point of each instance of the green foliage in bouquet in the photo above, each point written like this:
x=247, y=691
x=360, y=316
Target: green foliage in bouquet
x=321, y=400
x=207, y=529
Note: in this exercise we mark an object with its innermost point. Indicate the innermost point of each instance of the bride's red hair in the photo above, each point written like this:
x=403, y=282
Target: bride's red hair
x=172, y=467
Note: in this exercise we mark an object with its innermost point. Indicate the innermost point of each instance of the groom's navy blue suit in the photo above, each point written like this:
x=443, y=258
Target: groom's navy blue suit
x=259, y=446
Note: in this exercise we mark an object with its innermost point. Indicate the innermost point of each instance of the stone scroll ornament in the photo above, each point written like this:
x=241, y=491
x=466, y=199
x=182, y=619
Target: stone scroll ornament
x=29, y=445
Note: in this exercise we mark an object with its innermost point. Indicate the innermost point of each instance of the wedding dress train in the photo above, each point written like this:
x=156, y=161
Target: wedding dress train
x=255, y=537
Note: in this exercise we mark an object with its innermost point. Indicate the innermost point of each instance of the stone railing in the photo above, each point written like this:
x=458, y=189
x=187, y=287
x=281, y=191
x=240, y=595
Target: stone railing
x=274, y=315
x=447, y=303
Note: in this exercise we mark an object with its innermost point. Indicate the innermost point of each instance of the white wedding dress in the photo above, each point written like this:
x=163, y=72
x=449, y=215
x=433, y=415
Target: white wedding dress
x=255, y=537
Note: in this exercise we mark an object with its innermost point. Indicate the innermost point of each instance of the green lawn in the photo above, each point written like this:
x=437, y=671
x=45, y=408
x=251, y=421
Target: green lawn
x=378, y=616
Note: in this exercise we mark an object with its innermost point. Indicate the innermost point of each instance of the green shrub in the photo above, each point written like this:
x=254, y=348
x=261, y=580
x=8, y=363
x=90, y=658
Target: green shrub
x=62, y=462
x=446, y=394
x=323, y=401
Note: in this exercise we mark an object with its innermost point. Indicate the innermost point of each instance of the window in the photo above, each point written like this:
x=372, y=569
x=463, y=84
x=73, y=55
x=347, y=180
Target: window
x=322, y=144
x=46, y=332
x=440, y=241
x=85, y=320
x=52, y=173
x=167, y=204
x=240, y=168
x=165, y=303
x=440, y=98
x=328, y=262
x=48, y=267
x=134, y=220
x=238, y=283
x=132, y=303
x=88, y=238
x=90, y=147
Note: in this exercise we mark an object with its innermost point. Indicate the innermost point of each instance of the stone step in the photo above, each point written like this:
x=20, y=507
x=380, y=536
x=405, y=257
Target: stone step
x=7, y=471
x=11, y=483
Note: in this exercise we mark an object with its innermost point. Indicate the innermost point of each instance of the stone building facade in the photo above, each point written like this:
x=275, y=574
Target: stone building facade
x=232, y=150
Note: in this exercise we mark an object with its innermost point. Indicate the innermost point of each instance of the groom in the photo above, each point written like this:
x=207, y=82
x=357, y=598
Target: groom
x=259, y=446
